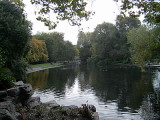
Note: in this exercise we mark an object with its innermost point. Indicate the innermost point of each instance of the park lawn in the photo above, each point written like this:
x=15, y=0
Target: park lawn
x=47, y=65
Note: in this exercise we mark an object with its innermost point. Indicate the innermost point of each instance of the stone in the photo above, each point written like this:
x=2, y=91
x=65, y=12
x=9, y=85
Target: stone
x=3, y=94
x=13, y=92
x=19, y=83
x=8, y=105
x=95, y=116
x=18, y=116
x=71, y=107
x=5, y=115
x=25, y=93
x=8, y=111
x=52, y=104
x=9, y=98
x=92, y=108
x=33, y=102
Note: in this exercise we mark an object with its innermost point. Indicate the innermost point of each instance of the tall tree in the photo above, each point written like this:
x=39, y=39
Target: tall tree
x=38, y=52
x=15, y=32
x=54, y=44
x=58, y=49
x=105, y=41
x=84, y=46
x=124, y=24
x=69, y=51
x=142, y=43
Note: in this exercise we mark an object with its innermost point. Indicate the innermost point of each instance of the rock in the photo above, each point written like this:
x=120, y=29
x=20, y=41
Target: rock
x=52, y=104
x=3, y=94
x=25, y=93
x=8, y=110
x=19, y=83
x=9, y=98
x=13, y=92
x=92, y=108
x=18, y=116
x=95, y=116
x=33, y=102
x=5, y=115
x=8, y=105
x=71, y=107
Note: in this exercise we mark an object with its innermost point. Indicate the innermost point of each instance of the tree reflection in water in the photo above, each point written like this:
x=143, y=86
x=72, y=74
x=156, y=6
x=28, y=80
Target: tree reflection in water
x=132, y=91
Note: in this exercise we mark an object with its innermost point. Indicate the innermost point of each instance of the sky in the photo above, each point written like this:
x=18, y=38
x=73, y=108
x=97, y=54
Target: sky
x=105, y=11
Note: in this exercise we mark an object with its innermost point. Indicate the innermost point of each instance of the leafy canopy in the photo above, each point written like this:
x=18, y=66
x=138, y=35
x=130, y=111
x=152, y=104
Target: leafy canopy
x=149, y=8
x=72, y=10
x=38, y=52
x=142, y=43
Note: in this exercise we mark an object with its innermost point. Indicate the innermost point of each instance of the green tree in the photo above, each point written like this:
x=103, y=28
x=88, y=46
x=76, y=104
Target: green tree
x=58, y=49
x=155, y=52
x=142, y=43
x=38, y=52
x=105, y=41
x=69, y=51
x=124, y=24
x=54, y=44
x=84, y=46
x=15, y=32
x=149, y=8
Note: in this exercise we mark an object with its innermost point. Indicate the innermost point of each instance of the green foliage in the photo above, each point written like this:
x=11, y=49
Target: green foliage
x=156, y=36
x=6, y=81
x=69, y=51
x=149, y=8
x=105, y=41
x=142, y=43
x=38, y=52
x=93, y=60
x=84, y=46
x=53, y=43
x=124, y=24
x=19, y=68
x=14, y=36
x=72, y=10
x=2, y=58
x=57, y=48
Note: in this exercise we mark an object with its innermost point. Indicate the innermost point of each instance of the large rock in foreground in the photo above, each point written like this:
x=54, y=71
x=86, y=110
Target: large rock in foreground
x=17, y=103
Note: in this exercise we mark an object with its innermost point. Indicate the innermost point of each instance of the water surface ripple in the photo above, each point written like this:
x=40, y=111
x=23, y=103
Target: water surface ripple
x=118, y=94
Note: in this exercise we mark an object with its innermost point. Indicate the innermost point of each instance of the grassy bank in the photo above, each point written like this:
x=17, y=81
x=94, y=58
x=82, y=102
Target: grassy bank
x=38, y=67
x=47, y=65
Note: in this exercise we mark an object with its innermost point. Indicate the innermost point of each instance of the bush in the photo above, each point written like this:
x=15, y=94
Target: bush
x=93, y=60
x=6, y=81
x=19, y=68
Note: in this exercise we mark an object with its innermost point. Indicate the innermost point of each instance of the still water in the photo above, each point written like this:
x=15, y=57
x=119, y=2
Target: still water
x=118, y=94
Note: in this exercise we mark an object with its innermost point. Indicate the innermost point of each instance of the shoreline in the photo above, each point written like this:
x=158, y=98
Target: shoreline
x=17, y=103
x=39, y=67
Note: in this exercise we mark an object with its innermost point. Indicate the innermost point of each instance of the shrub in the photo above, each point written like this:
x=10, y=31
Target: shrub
x=6, y=81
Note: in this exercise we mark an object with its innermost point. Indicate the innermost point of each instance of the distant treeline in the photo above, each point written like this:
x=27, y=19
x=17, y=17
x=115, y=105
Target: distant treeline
x=126, y=42
x=51, y=47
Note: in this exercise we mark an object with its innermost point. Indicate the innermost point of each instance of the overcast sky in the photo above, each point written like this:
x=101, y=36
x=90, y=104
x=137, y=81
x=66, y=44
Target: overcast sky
x=105, y=11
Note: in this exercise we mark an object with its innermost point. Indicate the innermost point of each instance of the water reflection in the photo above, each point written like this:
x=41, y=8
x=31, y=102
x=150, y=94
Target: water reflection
x=116, y=93
x=39, y=79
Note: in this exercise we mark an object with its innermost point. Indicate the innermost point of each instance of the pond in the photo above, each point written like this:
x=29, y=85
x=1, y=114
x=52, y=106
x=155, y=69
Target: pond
x=117, y=94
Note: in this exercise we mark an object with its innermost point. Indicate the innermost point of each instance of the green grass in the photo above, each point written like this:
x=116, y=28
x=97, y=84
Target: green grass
x=47, y=65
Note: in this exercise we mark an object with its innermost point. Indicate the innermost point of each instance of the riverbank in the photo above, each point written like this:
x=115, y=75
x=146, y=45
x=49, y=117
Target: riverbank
x=38, y=67
x=17, y=103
